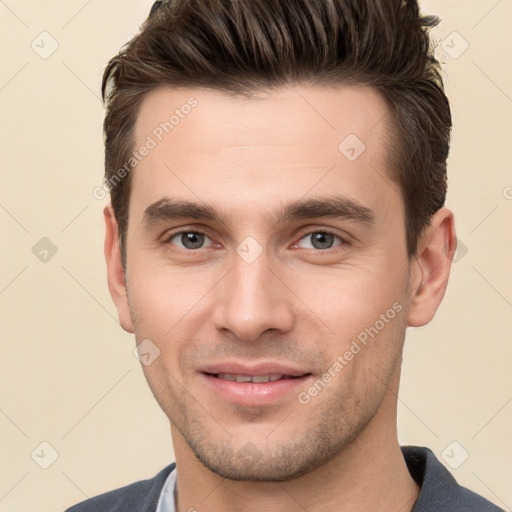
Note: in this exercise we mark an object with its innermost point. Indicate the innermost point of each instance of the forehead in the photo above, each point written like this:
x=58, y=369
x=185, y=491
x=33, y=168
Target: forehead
x=209, y=145
x=306, y=114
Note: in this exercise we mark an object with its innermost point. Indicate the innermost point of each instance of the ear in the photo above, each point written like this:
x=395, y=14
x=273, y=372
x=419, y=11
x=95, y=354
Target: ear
x=115, y=272
x=431, y=267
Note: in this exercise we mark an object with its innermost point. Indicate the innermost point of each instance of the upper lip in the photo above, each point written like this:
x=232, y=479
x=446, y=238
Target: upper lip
x=251, y=370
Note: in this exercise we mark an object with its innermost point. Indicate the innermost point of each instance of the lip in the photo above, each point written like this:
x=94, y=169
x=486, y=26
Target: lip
x=251, y=394
x=265, y=368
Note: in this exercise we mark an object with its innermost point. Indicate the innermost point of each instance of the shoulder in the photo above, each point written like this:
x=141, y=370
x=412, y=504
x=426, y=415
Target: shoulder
x=440, y=492
x=140, y=496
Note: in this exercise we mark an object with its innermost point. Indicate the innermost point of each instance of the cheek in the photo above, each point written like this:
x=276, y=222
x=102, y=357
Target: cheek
x=166, y=302
x=159, y=289
x=347, y=300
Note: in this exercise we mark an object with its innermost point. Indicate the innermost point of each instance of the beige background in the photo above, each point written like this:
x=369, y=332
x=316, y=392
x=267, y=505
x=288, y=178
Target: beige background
x=68, y=373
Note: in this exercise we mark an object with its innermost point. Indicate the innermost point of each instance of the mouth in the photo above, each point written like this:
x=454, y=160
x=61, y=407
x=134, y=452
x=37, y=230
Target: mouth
x=257, y=379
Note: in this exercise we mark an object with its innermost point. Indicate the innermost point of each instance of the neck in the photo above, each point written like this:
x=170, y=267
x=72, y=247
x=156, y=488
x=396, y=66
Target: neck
x=359, y=478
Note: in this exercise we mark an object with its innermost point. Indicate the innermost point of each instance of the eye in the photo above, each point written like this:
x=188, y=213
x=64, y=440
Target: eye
x=321, y=240
x=188, y=240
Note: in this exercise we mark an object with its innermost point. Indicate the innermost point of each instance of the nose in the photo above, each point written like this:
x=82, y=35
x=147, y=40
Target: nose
x=251, y=300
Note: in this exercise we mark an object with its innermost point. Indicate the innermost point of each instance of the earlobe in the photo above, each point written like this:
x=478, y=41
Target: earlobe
x=115, y=271
x=432, y=265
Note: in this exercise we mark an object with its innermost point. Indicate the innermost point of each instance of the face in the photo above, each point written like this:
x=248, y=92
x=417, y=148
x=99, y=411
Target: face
x=265, y=240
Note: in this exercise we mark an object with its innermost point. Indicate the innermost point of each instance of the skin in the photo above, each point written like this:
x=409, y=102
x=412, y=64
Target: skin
x=296, y=303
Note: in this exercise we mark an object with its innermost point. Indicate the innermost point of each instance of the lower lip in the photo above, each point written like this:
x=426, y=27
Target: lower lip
x=252, y=393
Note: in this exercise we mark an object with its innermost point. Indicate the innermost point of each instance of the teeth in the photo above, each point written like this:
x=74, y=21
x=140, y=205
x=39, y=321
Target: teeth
x=247, y=378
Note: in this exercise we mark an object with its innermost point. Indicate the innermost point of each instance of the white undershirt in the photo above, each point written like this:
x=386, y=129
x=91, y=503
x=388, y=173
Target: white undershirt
x=166, y=500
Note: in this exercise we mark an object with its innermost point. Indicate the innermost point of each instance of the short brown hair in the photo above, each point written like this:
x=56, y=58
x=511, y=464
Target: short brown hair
x=239, y=46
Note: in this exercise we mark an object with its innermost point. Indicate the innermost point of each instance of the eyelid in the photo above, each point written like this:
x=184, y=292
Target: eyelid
x=344, y=240
x=169, y=235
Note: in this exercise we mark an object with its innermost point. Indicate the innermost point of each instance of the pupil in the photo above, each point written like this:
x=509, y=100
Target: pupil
x=192, y=240
x=322, y=240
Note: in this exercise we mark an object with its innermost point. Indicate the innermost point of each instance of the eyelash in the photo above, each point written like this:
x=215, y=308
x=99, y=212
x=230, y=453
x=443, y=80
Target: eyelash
x=167, y=239
x=343, y=241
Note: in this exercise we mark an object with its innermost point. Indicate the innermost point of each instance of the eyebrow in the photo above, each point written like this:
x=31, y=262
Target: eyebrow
x=167, y=209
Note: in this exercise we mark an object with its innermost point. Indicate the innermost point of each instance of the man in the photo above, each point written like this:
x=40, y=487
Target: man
x=277, y=171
